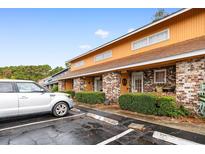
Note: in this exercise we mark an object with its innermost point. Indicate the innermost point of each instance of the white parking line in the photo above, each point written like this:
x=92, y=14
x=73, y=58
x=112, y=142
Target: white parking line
x=44, y=121
x=173, y=139
x=116, y=137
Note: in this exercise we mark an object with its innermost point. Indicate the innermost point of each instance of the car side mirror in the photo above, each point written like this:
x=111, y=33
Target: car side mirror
x=42, y=90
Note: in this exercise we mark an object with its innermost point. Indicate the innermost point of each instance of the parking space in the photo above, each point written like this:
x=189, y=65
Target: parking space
x=77, y=128
x=82, y=130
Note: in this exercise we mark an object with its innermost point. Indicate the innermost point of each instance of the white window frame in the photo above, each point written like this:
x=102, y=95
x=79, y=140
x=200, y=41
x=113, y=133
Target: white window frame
x=103, y=56
x=148, y=37
x=79, y=64
x=161, y=70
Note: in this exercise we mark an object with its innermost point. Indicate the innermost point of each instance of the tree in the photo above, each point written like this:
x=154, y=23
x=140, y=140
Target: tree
x=159, y=14
x=32, y=72
x=56, y=70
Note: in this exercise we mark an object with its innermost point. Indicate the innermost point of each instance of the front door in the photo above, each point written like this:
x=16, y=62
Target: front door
x=137, y=82
x=98, y=84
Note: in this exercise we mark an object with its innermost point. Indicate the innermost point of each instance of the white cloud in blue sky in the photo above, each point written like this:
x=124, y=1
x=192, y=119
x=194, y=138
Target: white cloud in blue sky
x=85, y=46
x=102, y=33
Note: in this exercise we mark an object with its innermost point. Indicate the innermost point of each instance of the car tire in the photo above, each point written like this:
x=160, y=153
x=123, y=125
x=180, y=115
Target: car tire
x=60, y=109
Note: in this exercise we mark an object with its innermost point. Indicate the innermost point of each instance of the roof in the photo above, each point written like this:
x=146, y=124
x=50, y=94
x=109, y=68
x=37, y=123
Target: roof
x=180, y=50
x=58, y=73
x=10, y=80
x=133, y=32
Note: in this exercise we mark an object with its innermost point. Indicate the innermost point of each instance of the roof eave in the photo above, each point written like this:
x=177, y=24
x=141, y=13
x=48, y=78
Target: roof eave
x=132, y=33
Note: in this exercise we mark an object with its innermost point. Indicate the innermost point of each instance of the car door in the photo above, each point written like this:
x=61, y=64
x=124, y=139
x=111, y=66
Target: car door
x=32, y=99
x=8, y=100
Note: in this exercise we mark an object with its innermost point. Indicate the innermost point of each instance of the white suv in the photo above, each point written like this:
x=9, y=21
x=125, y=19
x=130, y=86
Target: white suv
x=21, y=97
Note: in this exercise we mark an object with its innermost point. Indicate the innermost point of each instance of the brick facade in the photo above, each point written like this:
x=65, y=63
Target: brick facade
x=150, y=86
x=111, y=86
x=189, y=74
x=78, y=84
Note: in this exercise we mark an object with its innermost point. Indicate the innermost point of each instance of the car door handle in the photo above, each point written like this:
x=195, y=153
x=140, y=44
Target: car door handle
x=23, y=97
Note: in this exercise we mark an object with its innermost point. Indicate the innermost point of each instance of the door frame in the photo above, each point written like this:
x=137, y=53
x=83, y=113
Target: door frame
x=142, y=78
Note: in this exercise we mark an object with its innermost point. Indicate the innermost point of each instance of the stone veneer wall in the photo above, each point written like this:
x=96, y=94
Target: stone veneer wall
x=189, y=74
x=111, y=85
x=78, y=84
x=150, y=86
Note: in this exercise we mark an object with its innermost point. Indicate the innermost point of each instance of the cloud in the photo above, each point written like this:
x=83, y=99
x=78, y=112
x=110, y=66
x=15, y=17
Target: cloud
x=130, y=30
x=85, y=46
x=102, y=33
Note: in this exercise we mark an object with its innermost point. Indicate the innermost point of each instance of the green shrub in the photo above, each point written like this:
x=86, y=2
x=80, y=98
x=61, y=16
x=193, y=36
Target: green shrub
x=72, y=93
x=149, y=103
x=90, y=97
x=55, y=88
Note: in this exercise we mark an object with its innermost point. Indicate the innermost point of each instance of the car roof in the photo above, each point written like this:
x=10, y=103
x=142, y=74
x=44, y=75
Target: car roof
x=10, y=80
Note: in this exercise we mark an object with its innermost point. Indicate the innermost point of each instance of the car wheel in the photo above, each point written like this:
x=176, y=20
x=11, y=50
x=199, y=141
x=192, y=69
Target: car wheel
x=60, y=109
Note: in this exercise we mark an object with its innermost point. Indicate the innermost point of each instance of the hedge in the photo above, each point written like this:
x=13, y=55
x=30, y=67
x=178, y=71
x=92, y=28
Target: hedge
x=55, y=88
x=72, y=93
x=90, y=97
x=149, y=103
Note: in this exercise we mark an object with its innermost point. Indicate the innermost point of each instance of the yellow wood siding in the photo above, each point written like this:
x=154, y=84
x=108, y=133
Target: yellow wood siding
x=182, y=27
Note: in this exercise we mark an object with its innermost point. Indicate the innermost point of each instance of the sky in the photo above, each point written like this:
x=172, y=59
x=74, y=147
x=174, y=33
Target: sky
x=53, y=36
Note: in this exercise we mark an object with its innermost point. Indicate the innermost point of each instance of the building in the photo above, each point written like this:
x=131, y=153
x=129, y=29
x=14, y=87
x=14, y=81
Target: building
x=50, y=81
x=167, y=55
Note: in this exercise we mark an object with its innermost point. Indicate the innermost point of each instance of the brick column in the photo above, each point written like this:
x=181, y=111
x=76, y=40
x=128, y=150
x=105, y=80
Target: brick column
x=189, y=76
x=78, y=84
x=111, y=85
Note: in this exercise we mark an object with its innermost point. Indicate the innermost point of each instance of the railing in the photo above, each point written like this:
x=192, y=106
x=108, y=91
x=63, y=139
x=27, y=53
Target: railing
x=202, y=100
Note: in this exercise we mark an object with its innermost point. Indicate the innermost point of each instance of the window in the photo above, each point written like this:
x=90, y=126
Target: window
x=141, y=43
x=28, y=87
x=6, y=87
x=155, y=38
x=160, y=76
x=79, y=64
x=103, y=56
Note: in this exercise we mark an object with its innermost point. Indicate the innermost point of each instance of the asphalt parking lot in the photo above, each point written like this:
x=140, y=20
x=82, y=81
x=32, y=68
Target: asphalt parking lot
x=74, y=129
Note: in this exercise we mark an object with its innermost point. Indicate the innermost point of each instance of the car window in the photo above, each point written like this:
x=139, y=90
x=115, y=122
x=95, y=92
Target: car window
x=6, y=87
x=28, y=87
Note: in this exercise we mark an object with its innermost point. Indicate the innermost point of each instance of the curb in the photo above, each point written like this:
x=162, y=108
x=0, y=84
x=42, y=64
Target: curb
x=138, y=127
x=101, y=118
x=165, y=125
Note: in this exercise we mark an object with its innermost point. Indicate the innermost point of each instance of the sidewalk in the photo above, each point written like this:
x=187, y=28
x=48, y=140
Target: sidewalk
x=194, y=125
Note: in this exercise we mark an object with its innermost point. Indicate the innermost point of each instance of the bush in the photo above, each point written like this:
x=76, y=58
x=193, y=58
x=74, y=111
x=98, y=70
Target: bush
x=72, y=93
x=55, y=88
x=90, y=97
x=149, y=103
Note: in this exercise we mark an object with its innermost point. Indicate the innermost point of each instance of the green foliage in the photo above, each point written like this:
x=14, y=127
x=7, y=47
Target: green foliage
x=72, y=93
x=149, y=103
x=55, y=88
x=90, y=97
x=55, y=70
x=34, y=73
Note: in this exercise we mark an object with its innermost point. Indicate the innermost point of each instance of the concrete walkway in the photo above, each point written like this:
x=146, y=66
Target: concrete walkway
x=194, y=125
